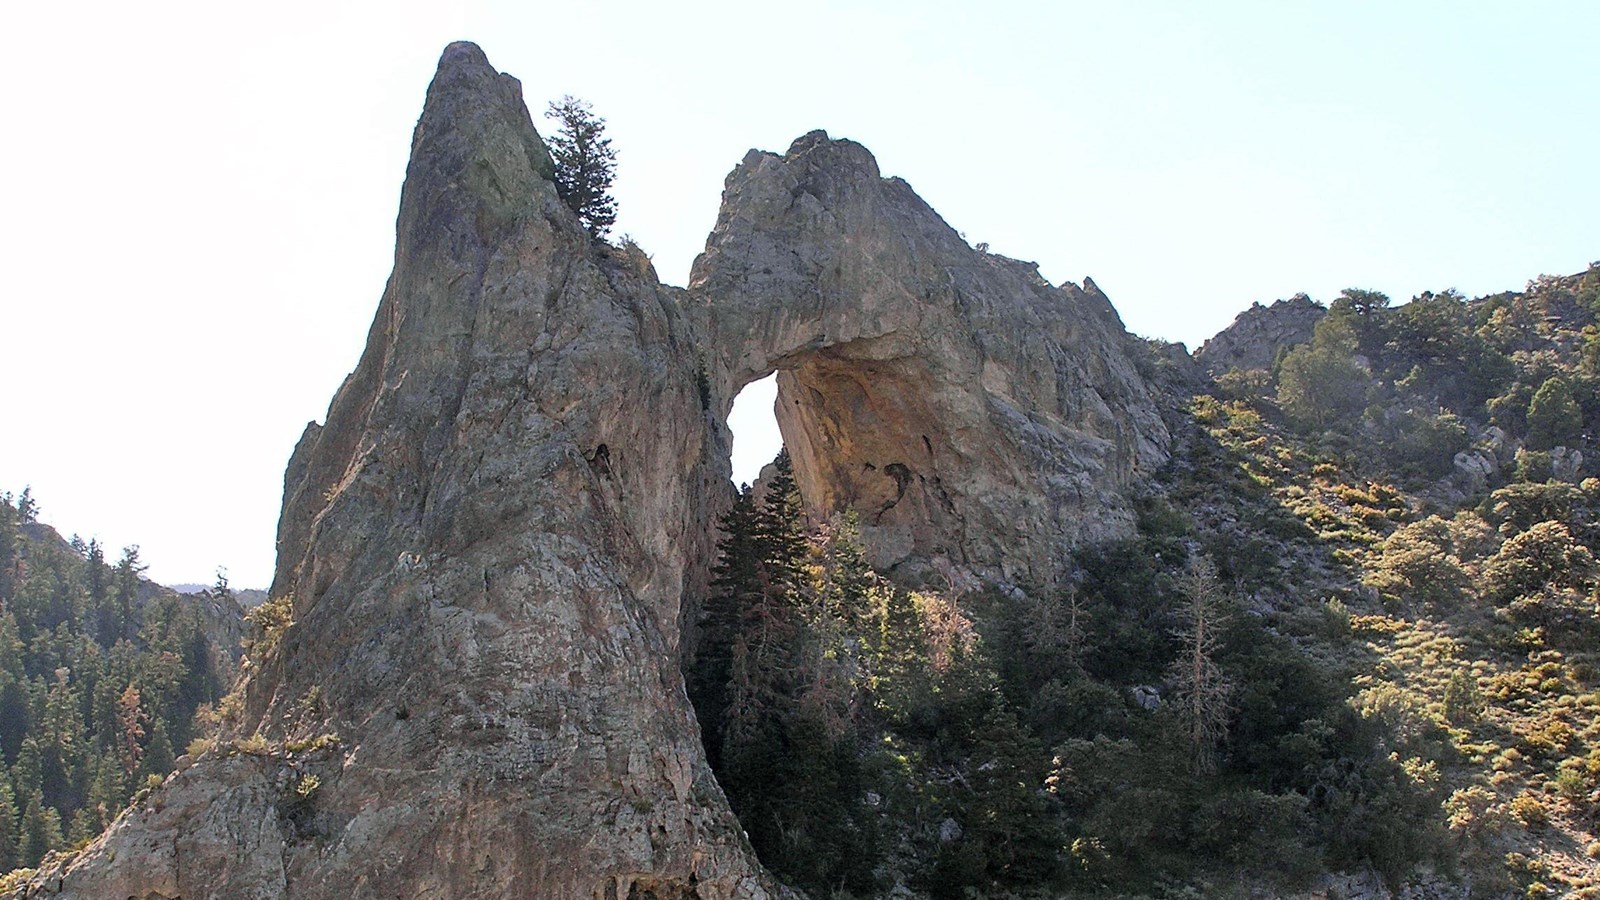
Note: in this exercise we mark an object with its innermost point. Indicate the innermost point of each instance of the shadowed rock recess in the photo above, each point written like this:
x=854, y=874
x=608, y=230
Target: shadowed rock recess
x=490, y=544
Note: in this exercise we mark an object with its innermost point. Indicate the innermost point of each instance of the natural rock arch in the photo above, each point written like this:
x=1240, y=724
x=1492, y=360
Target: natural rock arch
x=488, y=544
x=968, y=410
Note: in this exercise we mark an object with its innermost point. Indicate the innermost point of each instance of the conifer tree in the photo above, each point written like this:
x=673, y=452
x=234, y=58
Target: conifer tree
x=15, y=719
x=27, y=507
x=158, y=756
x=585, y=164
x=8, y=548
x=28, y=772
x=900, y=678
x=130, y=729
x=1203, y=692
x=1006, y=812
x=41, y=830
x=127, y=581
x=735, y=584
x=852, y=585
x=1554, y=416
x=780, y=535
x=10, y=853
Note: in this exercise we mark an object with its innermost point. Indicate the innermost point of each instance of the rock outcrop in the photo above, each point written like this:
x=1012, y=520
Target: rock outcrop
x=485, y=547
x=967, y=409
x=1257, y=335
x=489, y=544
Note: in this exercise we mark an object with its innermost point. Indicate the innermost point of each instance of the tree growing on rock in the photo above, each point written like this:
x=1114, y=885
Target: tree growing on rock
x=585, y=164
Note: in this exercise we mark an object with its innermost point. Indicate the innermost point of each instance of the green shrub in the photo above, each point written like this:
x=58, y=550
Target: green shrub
x=1554, y=417
x=1530, y=811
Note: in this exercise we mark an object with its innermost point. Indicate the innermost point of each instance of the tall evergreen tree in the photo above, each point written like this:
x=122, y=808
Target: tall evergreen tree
x=41, y=830
x=585, y=164
x=127, y=581
x=10, y=852
x=735, y=584
x=8, y=548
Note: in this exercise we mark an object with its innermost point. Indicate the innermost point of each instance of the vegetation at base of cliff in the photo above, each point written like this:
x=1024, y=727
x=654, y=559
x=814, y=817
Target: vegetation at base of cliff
x=1393, y=542
x=99, y=681
x=1139, y=728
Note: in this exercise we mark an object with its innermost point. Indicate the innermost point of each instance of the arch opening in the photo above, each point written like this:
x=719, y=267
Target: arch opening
x=753, y=423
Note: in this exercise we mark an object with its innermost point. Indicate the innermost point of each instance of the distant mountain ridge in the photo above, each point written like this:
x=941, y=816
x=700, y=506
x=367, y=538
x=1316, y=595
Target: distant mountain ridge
x=249, y=598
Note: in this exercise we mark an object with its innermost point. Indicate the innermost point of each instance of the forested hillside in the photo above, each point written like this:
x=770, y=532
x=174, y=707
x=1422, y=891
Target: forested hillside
x=105, y=678
x=1351, y=647
x=1139, y=729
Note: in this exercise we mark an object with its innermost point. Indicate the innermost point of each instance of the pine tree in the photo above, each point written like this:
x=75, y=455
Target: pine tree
x=27, y=507
x=585, y=164
x=130, y=729
x=107, y=791
x=158, y=757
x=15, y=717
x=99, y=588
x=735, y=584
x=10, y=852
x=127, y=581
x=41, y=830
x=853, y=588
x=780, y=535
x=900, y=676
x=28, y=773
x=1006, y=813
x=1203, y=692
x=8, y=548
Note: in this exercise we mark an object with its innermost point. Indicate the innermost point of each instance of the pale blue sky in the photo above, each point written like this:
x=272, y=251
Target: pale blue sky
x=200, y=197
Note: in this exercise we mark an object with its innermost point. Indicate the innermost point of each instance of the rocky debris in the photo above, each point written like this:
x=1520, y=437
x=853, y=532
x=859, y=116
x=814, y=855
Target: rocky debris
x=1495, y=442
x=1259, y=333
x=1474, y=469
x=1369, y=885
x=1146, y=697
x=960, y=403
x=491, y=543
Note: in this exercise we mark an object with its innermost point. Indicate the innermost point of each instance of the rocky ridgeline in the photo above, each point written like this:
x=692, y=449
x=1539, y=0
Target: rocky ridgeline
x=491, y=541
x=1259, y=334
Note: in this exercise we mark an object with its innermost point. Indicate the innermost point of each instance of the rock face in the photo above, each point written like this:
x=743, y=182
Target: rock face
x=968, y=410
x=1258, y=333
x=490, y=543
x=485, y=546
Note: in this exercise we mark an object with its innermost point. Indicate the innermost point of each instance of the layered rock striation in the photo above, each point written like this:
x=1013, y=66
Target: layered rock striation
x=489, y=545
